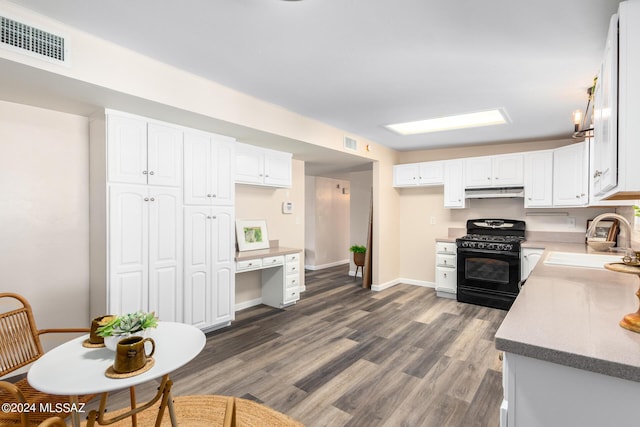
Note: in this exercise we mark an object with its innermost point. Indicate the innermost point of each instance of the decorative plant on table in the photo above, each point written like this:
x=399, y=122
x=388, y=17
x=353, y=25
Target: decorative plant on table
x=115, y=328
x=358, y=254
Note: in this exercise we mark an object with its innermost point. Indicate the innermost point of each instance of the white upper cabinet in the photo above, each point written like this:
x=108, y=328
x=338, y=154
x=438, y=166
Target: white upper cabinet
x=454, y=184
x=538, y=179
x=208, y=165
x=570, y=183
x=143, y=153
x=494, y=171
x=260, y=166
x=412, y=174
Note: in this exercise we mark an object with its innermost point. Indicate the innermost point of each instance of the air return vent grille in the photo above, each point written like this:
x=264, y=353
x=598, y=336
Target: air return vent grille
x=31, y=39
x=350, y=143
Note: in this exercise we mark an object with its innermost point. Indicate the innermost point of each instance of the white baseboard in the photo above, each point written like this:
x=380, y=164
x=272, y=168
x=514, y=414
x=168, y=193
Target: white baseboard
x=248, y=304
x=323, y=266
x=392, y=283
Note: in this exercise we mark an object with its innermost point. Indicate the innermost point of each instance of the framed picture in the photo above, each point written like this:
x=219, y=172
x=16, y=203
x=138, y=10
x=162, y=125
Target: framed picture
x=605, y=231
x=251, y=234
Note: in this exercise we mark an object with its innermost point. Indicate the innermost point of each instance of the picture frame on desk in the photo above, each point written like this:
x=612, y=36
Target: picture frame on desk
x=251, y=234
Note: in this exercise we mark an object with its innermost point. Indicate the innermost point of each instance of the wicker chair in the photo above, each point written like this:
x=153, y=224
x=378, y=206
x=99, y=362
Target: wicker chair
x=19, y=346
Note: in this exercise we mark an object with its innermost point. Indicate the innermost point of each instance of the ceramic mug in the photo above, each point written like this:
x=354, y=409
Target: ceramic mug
x=94, y=338
x=131, y=354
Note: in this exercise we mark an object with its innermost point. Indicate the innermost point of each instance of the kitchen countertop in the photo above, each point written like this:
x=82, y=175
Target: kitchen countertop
x=569, y=316
x=261, y=253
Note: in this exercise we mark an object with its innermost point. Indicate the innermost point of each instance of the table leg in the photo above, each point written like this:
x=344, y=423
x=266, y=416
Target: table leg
x=75, y=415
x=132, y=399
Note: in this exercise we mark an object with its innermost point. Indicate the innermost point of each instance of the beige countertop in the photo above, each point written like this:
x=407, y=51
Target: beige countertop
x=570, y=315
x=261, y=253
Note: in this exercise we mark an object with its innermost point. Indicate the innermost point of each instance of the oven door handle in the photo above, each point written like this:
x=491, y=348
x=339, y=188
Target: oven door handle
x=488, y=252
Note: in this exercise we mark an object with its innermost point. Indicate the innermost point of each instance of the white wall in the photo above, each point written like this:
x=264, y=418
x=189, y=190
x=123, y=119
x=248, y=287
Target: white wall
x=327, y=241
x=44, y=212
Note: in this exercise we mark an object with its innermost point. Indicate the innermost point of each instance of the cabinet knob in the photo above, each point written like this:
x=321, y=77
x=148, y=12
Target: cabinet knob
x=151, y=173
x=293, y=281
x=153, y=200
x=530, y=198
x=445, y=275
x=208, y=195
x=266, y=176
x=209, y=217
x=577, y=196
x=250, y=264
x=489, y=178
x=213, y=195
x=214, y=217
x=146, y=199
x=445, y=262
x=293, y=268
x=144, y=172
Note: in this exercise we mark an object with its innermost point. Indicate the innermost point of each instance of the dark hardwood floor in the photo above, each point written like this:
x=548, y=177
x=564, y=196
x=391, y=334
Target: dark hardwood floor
x=346, y=356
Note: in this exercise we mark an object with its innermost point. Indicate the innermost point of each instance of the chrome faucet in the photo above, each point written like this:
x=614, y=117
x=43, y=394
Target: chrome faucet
x=624, y=224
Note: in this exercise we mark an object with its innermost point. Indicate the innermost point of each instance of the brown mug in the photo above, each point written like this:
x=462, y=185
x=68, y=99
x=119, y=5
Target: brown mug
x=131, y=354
x=94, y=338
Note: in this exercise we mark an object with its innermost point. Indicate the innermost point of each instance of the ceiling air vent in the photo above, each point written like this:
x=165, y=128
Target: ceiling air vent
x=30, y=39
x=350, y=143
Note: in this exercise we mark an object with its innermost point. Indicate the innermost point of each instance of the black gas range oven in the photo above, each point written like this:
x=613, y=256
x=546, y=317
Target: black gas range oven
x=489, y=262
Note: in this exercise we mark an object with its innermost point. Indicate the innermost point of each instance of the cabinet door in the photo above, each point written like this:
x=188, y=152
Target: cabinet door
x=508, y=171
x=165, y=253
x=223, y=286
x=249, y=165
x=277, y=168
x=605, y=166
x=569, y=175
x=530, y=258
x=538, y=179
x=222, y=161
x=197, y=169
x=405, y=175
x=197, y=265
x=446, y=280
x=128, y=249
x=126, y=150
x=430, y=173
x=164, y=155
x=477, y=172
x=454, y=184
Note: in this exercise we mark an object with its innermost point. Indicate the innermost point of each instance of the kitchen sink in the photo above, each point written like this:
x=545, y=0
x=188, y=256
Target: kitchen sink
x=581, y=260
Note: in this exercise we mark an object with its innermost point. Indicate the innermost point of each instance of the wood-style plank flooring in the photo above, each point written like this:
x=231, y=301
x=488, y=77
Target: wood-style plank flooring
x=346, y=356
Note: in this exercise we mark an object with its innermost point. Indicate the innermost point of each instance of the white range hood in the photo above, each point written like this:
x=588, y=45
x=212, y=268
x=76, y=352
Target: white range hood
x=494, y=193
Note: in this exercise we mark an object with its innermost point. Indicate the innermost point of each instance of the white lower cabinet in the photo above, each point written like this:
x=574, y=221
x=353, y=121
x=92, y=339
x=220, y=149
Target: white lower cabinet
x=541, y=393
x=145, y=250
x=209, y=271
x=529, y=259
x=446, y=269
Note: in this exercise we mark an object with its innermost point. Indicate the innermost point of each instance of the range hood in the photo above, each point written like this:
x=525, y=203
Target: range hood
x=493, y=192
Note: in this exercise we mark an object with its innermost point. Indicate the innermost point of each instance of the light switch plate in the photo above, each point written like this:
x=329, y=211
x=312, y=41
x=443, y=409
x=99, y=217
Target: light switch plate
x=287, y=207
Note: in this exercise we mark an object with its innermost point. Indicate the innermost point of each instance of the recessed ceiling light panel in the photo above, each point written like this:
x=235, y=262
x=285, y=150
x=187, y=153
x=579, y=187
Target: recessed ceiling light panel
x=461, y=121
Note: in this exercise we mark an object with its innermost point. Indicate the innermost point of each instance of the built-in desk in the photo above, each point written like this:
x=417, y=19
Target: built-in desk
x=280, y=268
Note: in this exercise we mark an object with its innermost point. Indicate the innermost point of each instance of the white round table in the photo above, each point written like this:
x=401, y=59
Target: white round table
x=71, y=369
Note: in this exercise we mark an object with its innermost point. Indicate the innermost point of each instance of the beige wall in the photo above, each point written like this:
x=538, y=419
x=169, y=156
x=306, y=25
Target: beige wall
x=360, y=193
x=253, y=202
x=44, y=212
x=327, y=240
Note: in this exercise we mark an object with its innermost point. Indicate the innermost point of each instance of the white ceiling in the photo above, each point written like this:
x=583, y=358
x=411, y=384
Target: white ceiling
x=361, y=64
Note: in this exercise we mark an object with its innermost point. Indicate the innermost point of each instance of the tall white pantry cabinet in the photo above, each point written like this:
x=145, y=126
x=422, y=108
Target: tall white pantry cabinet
x=138, y=246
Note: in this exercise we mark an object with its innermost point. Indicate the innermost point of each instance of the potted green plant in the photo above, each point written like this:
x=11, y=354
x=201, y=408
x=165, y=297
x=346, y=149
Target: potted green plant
x=115, y=328
x=358, y=254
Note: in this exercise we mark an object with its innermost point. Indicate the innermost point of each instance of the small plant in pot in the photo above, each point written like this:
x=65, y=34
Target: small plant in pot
x=358, y=254
x=115, y=328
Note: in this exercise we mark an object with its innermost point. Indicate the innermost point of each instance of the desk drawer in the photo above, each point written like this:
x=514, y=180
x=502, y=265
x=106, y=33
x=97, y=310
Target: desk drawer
x=292, y=268
x=250, y=264
x=293, y=257
x=292, y=281
x=272, y=260
x=291, y=295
